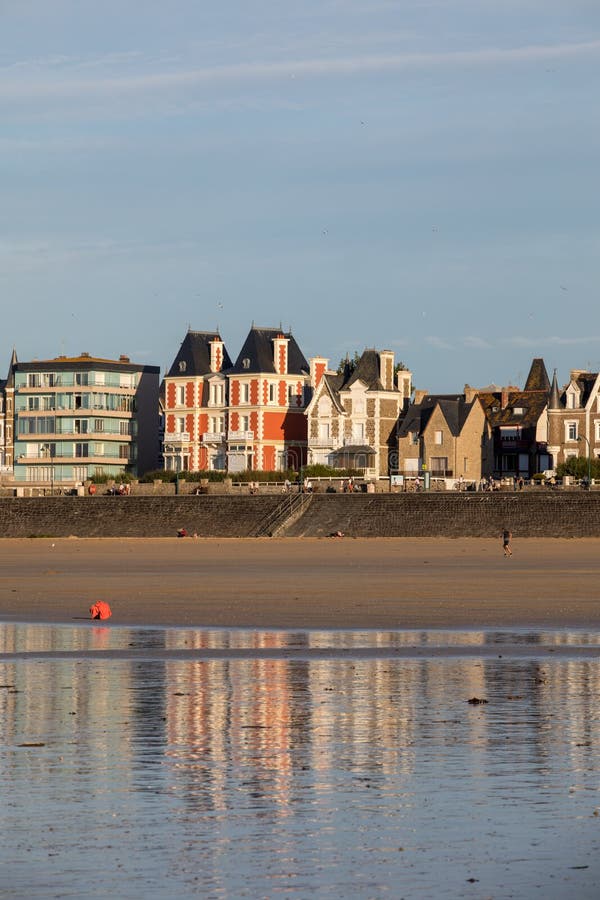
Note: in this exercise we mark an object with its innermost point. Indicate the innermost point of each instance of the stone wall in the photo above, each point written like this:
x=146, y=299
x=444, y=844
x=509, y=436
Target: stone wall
x=527, y=514
x=134, y=516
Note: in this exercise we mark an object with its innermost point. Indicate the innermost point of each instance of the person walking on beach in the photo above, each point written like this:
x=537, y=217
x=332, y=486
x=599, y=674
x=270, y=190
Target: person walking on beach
x=506, y=539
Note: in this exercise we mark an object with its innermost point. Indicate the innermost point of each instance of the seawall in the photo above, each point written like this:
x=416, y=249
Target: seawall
x=527, y=514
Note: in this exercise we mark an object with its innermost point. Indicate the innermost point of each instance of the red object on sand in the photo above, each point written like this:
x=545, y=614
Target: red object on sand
x=100, y=610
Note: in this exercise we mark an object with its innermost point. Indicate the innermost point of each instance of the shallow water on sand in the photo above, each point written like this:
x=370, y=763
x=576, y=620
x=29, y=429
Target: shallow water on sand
x=129, y=770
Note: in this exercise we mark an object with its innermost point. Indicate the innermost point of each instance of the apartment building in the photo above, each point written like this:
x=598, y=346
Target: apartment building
x=76, y=418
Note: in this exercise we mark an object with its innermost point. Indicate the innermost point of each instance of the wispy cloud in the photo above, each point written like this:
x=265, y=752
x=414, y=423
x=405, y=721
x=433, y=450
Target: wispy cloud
x=438, y=342
x=550, y=341
x=57, y=79
x=476, y=343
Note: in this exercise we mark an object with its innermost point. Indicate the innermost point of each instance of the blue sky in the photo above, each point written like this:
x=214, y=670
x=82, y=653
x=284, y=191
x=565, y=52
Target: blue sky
x=416, y=175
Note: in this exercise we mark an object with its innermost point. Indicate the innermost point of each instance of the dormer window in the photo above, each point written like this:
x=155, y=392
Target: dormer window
x=182, y=365
x=245, y=363
x=518, y=410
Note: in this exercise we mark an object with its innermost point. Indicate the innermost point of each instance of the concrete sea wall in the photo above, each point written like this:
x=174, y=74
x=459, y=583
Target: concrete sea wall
x=527, y=514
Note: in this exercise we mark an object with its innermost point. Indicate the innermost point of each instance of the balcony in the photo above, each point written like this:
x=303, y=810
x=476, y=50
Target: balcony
x=213, y=437
x=320, y=443
x=241, y=436
x=177, y=437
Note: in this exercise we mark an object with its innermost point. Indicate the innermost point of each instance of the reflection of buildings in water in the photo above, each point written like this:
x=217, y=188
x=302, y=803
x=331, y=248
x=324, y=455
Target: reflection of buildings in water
x=272, y=721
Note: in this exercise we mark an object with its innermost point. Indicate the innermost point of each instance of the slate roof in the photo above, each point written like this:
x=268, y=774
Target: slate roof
x=537, y=380
x=353, y=449
x=195, y=353
x=532, y=403
x=333, y=384
x=454, y=408
x=367, y=371
x=499, y=406
x=258, y=351
x=585, y=381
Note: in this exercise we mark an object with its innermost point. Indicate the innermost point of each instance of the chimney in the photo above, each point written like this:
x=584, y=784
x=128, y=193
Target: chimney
x=470, y=393
x=404, y=383
x=386, y=369
x=318, y=367
x=504, y=400
x=280, y=354
x=216, y=354
x=420, y=396
x=123, y=358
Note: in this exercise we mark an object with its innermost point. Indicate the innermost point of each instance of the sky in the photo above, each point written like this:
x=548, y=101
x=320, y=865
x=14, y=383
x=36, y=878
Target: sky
x=414, y=175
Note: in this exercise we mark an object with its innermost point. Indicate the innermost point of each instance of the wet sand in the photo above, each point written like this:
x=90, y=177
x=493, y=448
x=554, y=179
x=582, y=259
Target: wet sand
x=390, y=583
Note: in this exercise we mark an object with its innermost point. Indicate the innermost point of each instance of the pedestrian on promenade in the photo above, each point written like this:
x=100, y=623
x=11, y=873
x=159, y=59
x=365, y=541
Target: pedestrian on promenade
x=506, y=539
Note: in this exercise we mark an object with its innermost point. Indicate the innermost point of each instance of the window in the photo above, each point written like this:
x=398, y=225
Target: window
x=324, y=431
x=81, y=426
x=41, y=379
x=597, y=428
x=98, y=424
x=124, y=451
x=246, y=363
x=439, y=437
x=81, y=378
x=358, y=432
x=291, y=393
x=245, y=393
x=216, y=394
x=39, y=402
x=124, y=427
x=571, y=431
x=182, y=365
x=465, y=464
x=271, y=393
x=244, y=423
x=439, y=464
x=81, y=450
x=414, y=437
x=179, y=424
x=180, y=395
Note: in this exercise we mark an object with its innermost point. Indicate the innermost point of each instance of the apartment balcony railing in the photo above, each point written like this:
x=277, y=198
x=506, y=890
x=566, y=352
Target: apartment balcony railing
x=177, y=437
x=240, y=436
x=319, y=443
x=213, y=437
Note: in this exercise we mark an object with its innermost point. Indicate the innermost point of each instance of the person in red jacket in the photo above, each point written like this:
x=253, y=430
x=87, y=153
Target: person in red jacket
x=100, y=610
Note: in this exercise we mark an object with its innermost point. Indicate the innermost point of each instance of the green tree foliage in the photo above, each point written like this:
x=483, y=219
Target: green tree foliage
x=577, y=466
x=346, y=361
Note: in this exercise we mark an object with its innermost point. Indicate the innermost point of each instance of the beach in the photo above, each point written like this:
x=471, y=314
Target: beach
x=387, y=583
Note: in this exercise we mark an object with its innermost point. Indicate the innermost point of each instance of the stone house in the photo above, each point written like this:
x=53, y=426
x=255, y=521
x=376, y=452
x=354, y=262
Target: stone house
x=353, y=415
x=574, y=417
x=447, y=435
x=519, y=423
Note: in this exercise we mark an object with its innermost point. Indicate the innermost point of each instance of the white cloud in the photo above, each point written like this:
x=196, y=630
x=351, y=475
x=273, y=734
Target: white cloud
x=550, y=341
x=476, y=343
x=438, y=343
x=57, y=80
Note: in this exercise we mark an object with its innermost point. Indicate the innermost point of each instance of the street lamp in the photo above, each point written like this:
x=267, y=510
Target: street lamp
x=582, y=437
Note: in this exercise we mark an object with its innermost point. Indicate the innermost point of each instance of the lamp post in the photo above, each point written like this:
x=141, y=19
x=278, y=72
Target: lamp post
x=582, y=437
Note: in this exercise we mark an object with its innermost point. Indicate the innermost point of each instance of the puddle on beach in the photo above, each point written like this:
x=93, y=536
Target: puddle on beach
x=261, y=777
